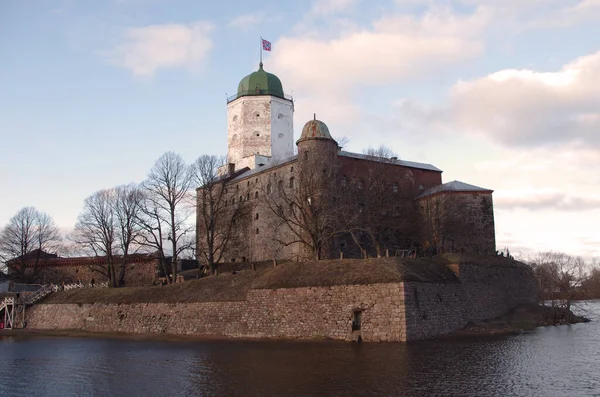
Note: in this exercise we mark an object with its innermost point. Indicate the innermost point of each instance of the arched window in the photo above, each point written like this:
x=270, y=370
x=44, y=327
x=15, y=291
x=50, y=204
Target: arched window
x=292, y=180
x=395, y=187
x=247, y=196
x=256, y=194
x=292, y=169
x=256, y=230
x=269, y=189
x=280, y=186
x=241, y=198
x=257, y=215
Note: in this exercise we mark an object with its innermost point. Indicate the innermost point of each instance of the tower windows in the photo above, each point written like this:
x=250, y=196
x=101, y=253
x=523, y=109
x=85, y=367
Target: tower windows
x=292, y=169
x=256, y=194
x=280, y=116
x=256, y=230
x=395, y=187
x=257, y=134
x=280, y=186
x=292, y=181
x=256, y=215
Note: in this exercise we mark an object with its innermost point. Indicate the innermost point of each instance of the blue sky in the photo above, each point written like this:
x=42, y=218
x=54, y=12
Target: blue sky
x=496, y=93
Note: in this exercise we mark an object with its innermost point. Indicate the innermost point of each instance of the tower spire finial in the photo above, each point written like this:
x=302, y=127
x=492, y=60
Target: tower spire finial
x=315, y=116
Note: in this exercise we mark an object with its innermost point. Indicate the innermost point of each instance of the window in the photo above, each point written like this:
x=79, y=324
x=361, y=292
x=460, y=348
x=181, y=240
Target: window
x=241, y=198
x=395, y=187
x=356, y=320
x=344, y=182
x=257, y=134
x=269, y=189
x=306, y=155
x=256, y=194
x=280, y=186
x=248, y=183
x=359, y=184
x=247, y=196
x=292, y=169
x=292, y=180
x=235, y=118
x=237, y=187
x=256, y=230
x=361, y=208
x=256, y=216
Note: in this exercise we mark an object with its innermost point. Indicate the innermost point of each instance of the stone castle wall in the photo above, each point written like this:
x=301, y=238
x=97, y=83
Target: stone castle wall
x=397, y=311
x=295, y=313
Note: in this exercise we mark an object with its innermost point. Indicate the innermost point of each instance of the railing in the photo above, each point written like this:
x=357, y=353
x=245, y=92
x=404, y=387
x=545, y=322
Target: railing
x=258, y=92
x=37, y=295
x=68, y=287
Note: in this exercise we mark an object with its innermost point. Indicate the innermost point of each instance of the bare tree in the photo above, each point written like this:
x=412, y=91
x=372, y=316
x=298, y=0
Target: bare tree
x=166, y=192
x=96, y=231
x=384, y=209
x=560, y=277
x=126, y=207
x=444, y=226
x=308, y=212
x=24, y=240
x=218, y=217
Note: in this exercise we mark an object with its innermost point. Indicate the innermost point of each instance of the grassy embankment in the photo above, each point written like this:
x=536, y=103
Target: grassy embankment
x=234, y=284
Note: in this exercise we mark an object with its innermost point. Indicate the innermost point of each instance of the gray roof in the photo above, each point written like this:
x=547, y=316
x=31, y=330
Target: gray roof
x=265, y=167
x=404, y=163
x=454, y=186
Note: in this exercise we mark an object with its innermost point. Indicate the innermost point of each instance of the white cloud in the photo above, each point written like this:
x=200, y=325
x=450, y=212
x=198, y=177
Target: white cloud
x=327, y=7
x=393, y=49
x=531, y=108
x=246, y=21
x=148, y=49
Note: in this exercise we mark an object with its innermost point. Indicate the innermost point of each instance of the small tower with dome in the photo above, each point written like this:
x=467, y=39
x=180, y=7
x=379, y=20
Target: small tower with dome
x=260, y=122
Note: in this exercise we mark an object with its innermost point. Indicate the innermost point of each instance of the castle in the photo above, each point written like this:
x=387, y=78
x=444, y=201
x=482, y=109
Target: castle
x=323, y=202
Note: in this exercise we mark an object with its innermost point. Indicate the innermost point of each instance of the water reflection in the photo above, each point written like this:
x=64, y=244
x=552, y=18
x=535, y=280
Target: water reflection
x=551, y=361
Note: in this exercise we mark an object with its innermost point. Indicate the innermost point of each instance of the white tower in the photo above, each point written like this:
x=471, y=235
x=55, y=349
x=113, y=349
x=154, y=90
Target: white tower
x=260, y=122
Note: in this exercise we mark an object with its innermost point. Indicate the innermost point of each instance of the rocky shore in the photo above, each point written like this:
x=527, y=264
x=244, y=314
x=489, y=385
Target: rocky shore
x=524, y=318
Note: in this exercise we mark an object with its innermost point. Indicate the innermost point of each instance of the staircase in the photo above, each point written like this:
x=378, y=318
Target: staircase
x=12, y=306
x=37, y=295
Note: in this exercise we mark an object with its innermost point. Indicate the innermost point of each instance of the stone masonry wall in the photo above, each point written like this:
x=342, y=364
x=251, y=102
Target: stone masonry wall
x=304, y=313
x=485, y=292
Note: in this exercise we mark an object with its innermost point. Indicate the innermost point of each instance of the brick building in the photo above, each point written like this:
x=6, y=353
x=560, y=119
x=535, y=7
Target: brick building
x=326, y=202
x=41, y=267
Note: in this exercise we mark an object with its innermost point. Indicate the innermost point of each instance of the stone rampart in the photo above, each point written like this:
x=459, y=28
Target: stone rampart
x=394, y=311
x=294, y=313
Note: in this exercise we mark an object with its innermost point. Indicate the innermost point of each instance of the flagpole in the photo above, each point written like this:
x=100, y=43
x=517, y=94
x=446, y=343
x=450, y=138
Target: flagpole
x=261, y=49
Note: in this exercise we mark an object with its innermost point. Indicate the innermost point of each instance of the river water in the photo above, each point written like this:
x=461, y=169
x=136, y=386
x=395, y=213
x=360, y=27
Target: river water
x=549, y=361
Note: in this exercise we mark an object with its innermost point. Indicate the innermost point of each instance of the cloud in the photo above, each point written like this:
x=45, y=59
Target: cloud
x=391, y=50
x=549, y=200
x=246, y=21
x=532, y=108
x=148, y=49
x=327, y=7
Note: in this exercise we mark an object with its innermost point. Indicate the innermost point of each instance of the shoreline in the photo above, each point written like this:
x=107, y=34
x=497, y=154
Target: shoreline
x=521, y=319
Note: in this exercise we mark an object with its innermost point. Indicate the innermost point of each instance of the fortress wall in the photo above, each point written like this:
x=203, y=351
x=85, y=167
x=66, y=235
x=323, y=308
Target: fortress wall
x=397, y=311
x=485, y=292
x=295, y=313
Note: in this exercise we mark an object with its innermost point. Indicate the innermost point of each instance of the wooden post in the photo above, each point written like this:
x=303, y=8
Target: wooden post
x=274, y=262
x=387, y=253
x=341, y=254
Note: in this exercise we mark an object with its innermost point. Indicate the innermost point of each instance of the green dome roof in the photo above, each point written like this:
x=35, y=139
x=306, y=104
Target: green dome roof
x=260, y=83
x=315, y=129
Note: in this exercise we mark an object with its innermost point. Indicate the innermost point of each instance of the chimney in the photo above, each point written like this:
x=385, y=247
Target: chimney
x=230, y=168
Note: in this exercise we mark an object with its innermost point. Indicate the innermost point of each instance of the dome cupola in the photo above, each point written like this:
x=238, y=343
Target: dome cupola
x=315, y=129
x=260, y=83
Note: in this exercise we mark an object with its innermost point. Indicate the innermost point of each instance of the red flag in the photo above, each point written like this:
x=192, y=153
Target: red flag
x=266, y=45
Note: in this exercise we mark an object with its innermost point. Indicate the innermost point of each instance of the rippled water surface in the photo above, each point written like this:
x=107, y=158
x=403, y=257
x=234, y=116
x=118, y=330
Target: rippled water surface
x=551, y=361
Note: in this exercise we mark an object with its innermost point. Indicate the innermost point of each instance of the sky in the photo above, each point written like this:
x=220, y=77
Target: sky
x=503, y=94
